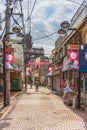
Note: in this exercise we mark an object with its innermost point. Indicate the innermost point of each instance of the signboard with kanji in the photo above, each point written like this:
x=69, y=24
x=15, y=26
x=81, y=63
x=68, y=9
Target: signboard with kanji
x=73, y=47
x=9, y=50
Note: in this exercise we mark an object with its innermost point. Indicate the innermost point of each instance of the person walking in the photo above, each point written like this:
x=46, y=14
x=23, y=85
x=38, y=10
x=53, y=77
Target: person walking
x=37, y=83
x=31, y=82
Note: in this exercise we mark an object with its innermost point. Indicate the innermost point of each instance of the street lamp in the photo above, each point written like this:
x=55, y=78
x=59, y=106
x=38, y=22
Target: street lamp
x=66, y=26
x=16, y=29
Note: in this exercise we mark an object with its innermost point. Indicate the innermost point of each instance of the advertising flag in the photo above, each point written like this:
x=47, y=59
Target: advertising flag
x=73, y=55
x=9, y=58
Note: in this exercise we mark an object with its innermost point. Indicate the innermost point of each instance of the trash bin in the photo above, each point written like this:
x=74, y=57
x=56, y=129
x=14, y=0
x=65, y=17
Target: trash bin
x=15, y=84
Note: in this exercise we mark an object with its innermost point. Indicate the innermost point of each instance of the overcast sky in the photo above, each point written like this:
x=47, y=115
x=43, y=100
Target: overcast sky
x=46, y=18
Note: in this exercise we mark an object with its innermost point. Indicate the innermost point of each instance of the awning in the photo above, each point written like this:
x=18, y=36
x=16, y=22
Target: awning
x=67, y=65
x=8, y=65
x=50, y=74
x=13, y=67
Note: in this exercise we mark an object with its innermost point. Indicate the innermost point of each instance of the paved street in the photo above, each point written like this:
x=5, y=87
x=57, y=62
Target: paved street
x=42, y=111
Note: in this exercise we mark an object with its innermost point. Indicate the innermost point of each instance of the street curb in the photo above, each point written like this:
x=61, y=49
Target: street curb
x=5, y=110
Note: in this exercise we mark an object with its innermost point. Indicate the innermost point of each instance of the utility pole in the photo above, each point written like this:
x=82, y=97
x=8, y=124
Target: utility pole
x=6, y=73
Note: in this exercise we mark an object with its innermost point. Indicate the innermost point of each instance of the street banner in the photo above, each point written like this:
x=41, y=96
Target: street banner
x=38, y=63
x=73, y=55
x=9, y=58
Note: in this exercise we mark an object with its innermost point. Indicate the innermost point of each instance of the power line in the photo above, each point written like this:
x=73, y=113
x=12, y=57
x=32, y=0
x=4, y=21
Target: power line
x=29, y=21
x=45, y=36
x=32, y=9
x=75, y=2
x=43, y=33
x=67, y=8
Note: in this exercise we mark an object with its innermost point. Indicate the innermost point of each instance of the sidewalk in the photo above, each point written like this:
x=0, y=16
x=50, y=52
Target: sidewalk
x=12, y=93
x=5, y=110
x=41, y=111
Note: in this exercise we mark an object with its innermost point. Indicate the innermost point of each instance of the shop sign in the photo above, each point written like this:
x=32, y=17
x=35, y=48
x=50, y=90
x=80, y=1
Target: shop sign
x=83, y=60
x=73, y=47
x=9, y=50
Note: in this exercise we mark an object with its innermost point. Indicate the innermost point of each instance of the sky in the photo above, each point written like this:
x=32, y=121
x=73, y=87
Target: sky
x=45, y=19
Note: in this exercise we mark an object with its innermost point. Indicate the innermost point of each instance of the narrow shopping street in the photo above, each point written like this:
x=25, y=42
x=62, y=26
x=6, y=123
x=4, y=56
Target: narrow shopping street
x=42, y=111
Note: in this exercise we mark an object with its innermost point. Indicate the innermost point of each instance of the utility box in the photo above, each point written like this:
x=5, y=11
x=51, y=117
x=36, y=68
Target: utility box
x=15, y=84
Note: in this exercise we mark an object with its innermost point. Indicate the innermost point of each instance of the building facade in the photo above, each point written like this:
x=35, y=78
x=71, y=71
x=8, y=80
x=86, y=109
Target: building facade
x=62, y=67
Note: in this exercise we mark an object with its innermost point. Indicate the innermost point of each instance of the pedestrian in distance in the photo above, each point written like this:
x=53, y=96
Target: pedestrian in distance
x=31, y=82
x=37, y=83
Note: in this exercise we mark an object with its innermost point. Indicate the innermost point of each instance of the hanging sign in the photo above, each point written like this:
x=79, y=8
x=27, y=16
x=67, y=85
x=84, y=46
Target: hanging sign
x=38, y=63
x=9, y=58
x=73, y=47
x=73, y=55
x=9, y=50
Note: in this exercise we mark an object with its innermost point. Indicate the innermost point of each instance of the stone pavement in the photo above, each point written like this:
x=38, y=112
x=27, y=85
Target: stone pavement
x=41, y=111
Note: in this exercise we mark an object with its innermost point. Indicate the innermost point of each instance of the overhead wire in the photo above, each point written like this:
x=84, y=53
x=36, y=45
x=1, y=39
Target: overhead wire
x=45, y=36
x=50, y=35
x=32, y=9
x=4, y=19
x=44, y=33
x=22, y=17
x=67, y=8
x=56, y=32
x=29, y=21
x=75, y=2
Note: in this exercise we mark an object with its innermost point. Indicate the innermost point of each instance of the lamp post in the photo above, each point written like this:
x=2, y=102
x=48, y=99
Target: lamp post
x=6, y=38
x=4, y=74
x=64, y=27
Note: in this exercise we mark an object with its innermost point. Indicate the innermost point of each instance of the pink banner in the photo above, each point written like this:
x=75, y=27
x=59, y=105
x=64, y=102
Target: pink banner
x=9, y=58
x=38, y=63
x=73, y=55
